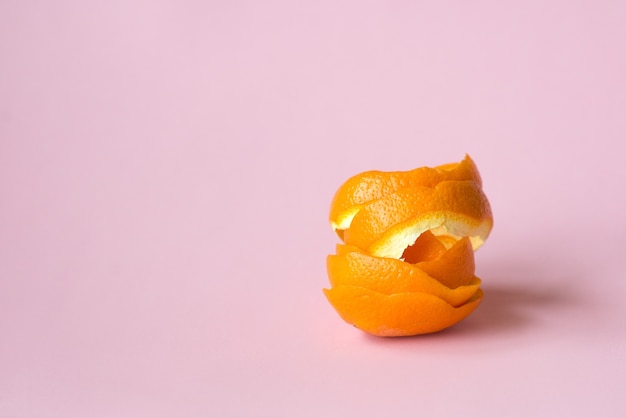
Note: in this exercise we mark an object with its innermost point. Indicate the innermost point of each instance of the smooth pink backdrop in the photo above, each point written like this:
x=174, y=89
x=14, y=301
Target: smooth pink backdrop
x=166, y=169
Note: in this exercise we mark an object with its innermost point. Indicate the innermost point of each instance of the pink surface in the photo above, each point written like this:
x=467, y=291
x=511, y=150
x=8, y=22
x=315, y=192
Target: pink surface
x=166, y=170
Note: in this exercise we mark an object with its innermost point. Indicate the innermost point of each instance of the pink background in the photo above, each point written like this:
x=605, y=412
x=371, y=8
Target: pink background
x=166, y=169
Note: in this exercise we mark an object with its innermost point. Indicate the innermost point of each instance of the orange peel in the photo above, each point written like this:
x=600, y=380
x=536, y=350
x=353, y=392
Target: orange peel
x=406, y=266
x=373, y=185
x=397, y=315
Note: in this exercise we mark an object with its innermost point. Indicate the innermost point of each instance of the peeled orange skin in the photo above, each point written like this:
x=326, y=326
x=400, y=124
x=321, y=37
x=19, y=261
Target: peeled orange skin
x=385, y=227
x=397, y=315
x=389, y=276
x=407, y=265
x=373, y=185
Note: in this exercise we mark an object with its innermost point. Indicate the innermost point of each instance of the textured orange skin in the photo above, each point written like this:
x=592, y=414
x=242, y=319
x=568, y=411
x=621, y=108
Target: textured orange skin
x=373, y=185
x=457, y=200
x=389, y=276
x=432, y=286
x=397, y=315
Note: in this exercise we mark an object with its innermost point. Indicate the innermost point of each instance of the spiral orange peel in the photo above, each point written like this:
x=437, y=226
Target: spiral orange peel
x=406, y=264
